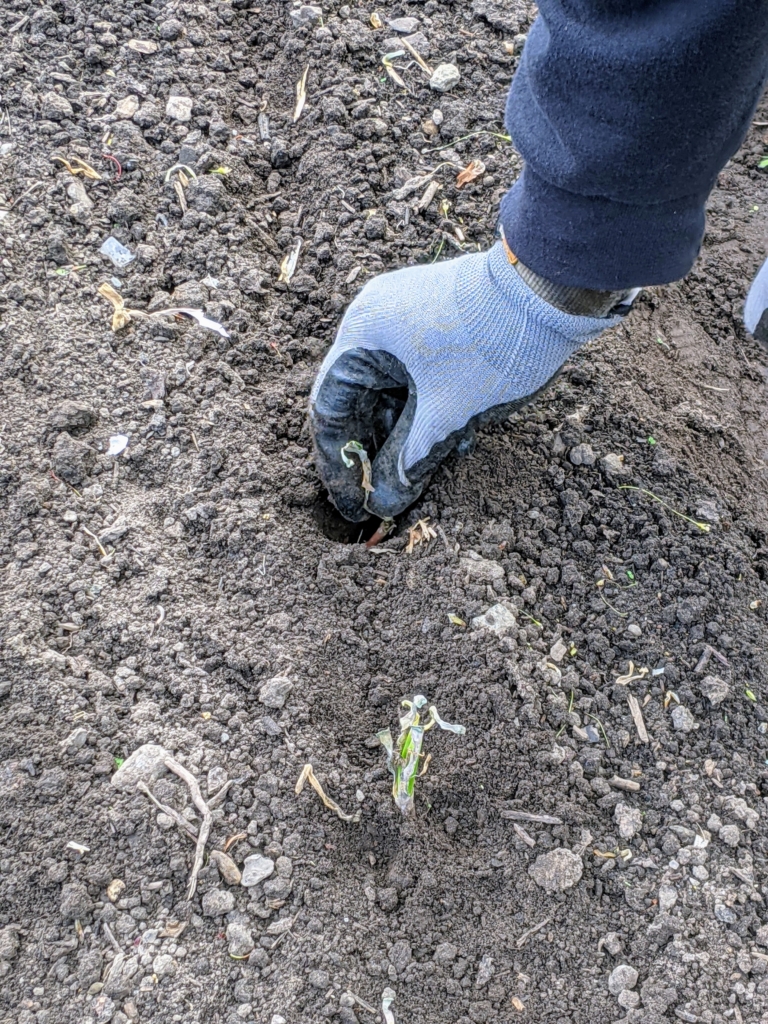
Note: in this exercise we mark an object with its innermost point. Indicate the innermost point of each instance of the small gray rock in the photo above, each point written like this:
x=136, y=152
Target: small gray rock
x=403, y=26
x=447, y=952
x=629, y=819
x=714, y=689
x=481, y=570
x=612, y=942
x=71, y=414
x=485, y=971
x=739, y=809
x=9, y=943
x=628, y=999
x=761, y=936
x=72, y=460
x=179, y=108
x=613, y=466
x=725, y=914
x=306, y=15
x=667, y=897
x=498, y=619
x=275, y=691
x=583, y=455
x=145, y=764
x=75, y=901
x=400, y=955
x=622, y=978
x=217, y=902
x=319, y=979
x=164, y=966
x=557, y=870
x=55, y=107
x=170, y=29
x=682, y=719
x=730, y=835
x=239, y=939
x=444, y=77
x=277, y=888
x=255, y=869
x=387, y=899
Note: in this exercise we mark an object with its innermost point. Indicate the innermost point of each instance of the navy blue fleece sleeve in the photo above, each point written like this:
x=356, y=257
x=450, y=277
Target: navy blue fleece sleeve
x=624, y=112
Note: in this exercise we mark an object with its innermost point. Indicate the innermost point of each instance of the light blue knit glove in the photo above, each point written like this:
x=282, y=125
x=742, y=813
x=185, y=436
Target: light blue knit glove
x=423, y=357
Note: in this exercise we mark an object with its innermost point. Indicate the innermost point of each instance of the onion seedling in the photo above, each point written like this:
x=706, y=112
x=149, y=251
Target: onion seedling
x=403, y=757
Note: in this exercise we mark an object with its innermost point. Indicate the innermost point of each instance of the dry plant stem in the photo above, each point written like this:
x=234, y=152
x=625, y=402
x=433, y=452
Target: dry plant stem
x=181, y=821
x=637, y=717
x=217, y=798
x=532, y=931
x=205, y=828
x=520, y=831
x=542, y=819
x=111, y=937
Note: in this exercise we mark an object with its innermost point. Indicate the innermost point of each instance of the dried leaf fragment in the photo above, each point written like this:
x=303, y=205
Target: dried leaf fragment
x=289, y=264
x=387, y=62
x=114, y=889
x=301, y=95
x=517, y=1004
x=472, y=171
x=419, y=533
x=77, y=166
x=173, y=929
x=455, y=620
x=178, y=188
x=120, y=316
x=376, y=21
x=308, y=775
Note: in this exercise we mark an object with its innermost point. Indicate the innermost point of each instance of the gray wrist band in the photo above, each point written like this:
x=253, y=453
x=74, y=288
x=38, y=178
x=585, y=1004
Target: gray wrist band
x=576, y=301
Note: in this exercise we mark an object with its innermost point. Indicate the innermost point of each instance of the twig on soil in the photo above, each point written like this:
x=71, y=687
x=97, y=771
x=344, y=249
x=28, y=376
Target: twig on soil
x=23, y=194
x=217, y=798
x=108, y=932
x=637, y=717
x=541, y=819
x=93, y=536
x=706, y=655
x=205, y=828
x=628, y=785
x=234, y=839
x=520, y=831
x=181, y=821
x=362, y=1003
x=521, y=941
x=417, y=57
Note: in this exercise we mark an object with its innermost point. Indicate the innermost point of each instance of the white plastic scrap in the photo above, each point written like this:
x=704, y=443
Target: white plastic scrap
x=387, y=998
x=117, y=252
x=117, y=444
x=196, y=314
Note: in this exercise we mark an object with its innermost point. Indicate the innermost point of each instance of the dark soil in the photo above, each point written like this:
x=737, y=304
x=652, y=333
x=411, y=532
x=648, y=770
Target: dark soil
x=218, y=534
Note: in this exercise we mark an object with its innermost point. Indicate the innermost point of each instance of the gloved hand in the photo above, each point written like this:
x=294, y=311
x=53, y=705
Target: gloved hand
x=423, y=357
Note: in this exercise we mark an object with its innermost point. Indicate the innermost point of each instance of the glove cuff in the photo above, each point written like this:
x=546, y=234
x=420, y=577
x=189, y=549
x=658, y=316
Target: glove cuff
x=576, y=301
